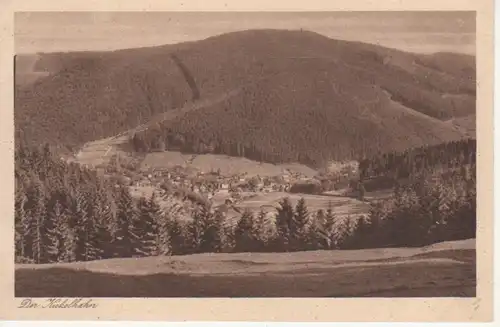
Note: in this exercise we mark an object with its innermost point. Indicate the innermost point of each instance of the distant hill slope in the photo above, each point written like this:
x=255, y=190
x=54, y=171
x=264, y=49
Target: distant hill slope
x=26, y=69
x=282, y=93
x=308, y=116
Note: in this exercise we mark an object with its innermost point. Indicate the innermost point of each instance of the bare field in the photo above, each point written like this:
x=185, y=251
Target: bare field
x=445, y=269
x=268, y=202
x=165, y=159
x=100, y=152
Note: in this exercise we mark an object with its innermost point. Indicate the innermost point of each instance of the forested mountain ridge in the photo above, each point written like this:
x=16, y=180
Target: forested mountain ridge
x=347, y=99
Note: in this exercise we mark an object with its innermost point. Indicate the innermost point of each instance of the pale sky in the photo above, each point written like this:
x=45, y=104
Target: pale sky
x=76, y=31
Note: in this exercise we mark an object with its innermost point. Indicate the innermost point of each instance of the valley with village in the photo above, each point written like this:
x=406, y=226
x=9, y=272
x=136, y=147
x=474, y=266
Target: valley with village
x=230, y=184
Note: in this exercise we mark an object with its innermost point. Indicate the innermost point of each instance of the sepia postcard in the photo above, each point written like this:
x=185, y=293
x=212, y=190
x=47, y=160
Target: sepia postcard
x=247, y=161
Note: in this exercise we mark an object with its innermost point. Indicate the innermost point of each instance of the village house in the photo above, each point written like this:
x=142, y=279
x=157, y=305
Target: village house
x=223, y=191
x=142, y=183
x=267, y=189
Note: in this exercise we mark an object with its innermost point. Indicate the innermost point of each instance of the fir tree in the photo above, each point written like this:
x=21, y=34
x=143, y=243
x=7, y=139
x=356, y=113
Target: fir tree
x=140, y=227
x=361, y=191
x=345, y=233
x=173, y=233
x=45, y=242
x=299, y=225
x=103, y=220
x=376, y=215
x=284, y=218
x=469, y=211
x=147, y=227
x=320, y=217
x=98, y=233
x=60, y=220
x=360, y=234
x=212, y=228
x=244, y=233
x=228, y=236
x=158, y=228
x=434, y=211
x=86, y=236
x=318, y=238
x=163, y=237
x=39, y=228
x=33, y=208
x=68, y=249
x=261, y=230
x=124, y=238
x=20, y=221
x=329, y=227
x=195, y=229
x=461, y=221
x=176, y=235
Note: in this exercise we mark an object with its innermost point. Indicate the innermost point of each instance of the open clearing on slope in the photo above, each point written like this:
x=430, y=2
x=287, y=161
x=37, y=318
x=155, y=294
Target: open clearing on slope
x=444, y=269
x=100, y=152
x=228, y=166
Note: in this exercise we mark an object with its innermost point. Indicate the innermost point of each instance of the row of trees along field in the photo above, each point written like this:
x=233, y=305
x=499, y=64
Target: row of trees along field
x=162, y=137
x=400, y=164
x=65, y=213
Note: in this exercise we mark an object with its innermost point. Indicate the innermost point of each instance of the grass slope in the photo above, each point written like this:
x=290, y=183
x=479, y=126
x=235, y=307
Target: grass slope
x=334, y=92
x=446, y=270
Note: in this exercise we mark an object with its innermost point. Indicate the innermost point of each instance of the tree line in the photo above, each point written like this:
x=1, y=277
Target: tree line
x=413, y=160
x=162, y=138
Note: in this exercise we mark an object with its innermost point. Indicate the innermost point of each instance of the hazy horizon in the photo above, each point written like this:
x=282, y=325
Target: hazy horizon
x=423, y=32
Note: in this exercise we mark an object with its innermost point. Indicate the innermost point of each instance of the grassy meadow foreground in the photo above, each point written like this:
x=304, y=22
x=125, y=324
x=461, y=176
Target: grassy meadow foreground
x=445, y=269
